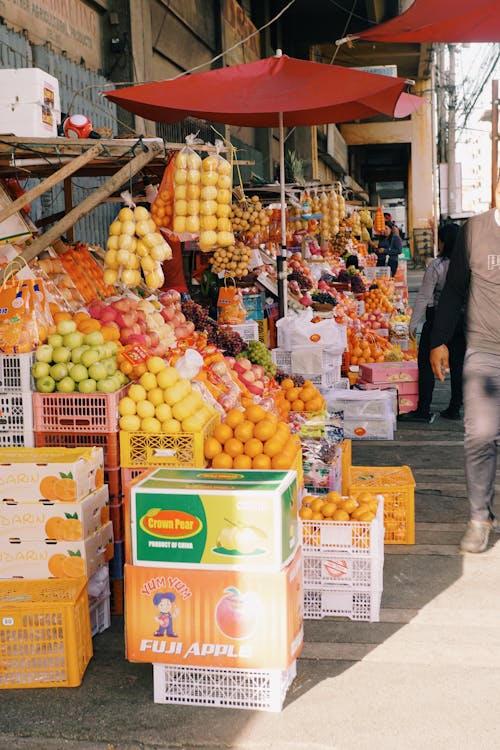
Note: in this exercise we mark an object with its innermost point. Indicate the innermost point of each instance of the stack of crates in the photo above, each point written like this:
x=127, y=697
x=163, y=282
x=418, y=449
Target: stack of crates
x=343, y=567
x=16, y=410
x=77, y=420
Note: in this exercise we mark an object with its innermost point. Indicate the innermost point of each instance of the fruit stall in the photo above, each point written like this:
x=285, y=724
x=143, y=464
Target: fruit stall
x=158, y=460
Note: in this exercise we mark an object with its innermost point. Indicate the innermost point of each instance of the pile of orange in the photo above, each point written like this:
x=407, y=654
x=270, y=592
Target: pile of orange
x=376, y=299
x=252, y=438
x=305, y=398
x=335, y=507
x=370, y=348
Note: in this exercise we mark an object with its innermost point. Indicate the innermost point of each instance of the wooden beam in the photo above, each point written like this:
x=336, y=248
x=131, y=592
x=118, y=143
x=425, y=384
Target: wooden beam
x=93, y=200
x=47, y=184
x=68, y=205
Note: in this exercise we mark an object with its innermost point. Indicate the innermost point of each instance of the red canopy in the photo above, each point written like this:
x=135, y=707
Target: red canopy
x=253, y=94
x=441, y=21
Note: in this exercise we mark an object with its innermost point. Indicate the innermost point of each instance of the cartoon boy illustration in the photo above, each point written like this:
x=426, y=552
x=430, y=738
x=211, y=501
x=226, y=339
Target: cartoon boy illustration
x=166, y=613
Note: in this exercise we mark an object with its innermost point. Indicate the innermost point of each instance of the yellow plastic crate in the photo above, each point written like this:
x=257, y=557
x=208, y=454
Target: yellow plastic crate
x=346, y=465
x=45, y=636
x=397, y=485
x=181, y=450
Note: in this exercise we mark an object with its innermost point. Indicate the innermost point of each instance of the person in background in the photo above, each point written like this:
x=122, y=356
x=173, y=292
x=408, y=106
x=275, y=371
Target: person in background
x=474, y=280
x=394, y=250
x=425, y=305
x=383, y=245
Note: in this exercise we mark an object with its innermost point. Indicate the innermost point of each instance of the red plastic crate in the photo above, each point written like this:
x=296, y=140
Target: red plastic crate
x=69, y=412
x=117, y=592
x=112, y=478
x=116, y=515
x=108, y=441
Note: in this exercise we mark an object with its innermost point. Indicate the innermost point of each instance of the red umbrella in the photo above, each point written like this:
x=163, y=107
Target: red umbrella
x=275, y=92
x=443, y=21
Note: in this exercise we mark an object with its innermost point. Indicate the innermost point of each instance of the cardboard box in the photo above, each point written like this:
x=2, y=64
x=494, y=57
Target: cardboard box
x=389, y=372
x=402, y=387
x=56, y=559
x=243, y=520
x=28, y=475
x=54, y=520
x=217, y=618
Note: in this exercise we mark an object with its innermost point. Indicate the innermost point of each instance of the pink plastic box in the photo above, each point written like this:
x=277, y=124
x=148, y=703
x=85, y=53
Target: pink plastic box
x=389, y=372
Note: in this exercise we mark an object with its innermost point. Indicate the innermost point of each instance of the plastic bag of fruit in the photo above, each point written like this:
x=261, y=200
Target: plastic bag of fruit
x=232, y=310
x=18, y=317
x=216, y=229
x=187, y=190
x=162, y=208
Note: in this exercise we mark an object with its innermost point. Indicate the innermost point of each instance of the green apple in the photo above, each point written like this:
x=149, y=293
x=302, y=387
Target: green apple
x=78, y=373
x=46, y=384
x=66, y=385
x=44, y=353
x=112, y=348
x=121, y=378
x=76, y=353
x=94, y=338
x=40, y=370
x=61, y=354
x=87, y=386
x=59, y=371
x=89, y=357
x=74, y=339
x=66, y=326
x=98, y=371
x=110, y=365
x=107, y=385
x=55, y=340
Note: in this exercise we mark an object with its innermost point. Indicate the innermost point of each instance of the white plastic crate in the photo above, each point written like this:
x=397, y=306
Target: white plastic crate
x=369, y=429
x=356, y=605
x=249, y=331
x=359, y=404
x=358, y=572
x=16, y=413
x=376, y=272
x=15, y=372
x=361, y=538
x=330, y=368
x=17, y=439
x=100, y=614
x=254, y=689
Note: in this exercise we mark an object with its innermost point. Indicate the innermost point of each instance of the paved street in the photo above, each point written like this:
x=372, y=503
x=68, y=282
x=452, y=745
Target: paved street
x=426, y=676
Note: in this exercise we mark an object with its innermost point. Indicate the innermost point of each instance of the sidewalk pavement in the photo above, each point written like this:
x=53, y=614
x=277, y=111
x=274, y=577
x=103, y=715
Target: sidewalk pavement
x=427, y=676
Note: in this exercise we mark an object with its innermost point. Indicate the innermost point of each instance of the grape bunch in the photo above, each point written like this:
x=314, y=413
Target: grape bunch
x=228, y=341
x=259, y=354
x=357, y=285
x=324, y=297
x=197, y=315
x=304, y=282
x=297, y=380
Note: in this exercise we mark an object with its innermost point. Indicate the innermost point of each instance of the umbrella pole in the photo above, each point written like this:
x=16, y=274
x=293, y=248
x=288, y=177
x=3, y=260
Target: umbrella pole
x=281, y=257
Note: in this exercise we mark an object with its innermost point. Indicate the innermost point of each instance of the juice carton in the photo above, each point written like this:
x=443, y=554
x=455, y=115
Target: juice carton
x=214, y=618
x=48, y=558
x=57, y=474
x=244, y=520
x=53, y=519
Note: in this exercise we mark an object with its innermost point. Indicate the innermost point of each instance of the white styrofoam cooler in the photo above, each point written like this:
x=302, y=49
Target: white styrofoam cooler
x=29, y=103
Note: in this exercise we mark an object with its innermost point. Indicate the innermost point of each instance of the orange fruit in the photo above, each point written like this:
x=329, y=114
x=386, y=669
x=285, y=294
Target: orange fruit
x=233, y=447
x=212, y=448
x=261, y=461
x=286, y=384
x=307, y=393
x=61, y=315
x=273, y=446
x=317, y=504
x=242, y=462
x=305, y=513
x=283, y=429
x=341, y=515
x=234, y=417
x=280, y=463
x=244, y=431
x=253, y=447
x=315, y=404
x=349, y=505
x=222, y=433
x=292, y=394
x=308, y=499
x=317, y=516
x=255, y=413
x=298, y=405
x=328, y=509
x=222, y=461
x=264, y=429
x=334, y=497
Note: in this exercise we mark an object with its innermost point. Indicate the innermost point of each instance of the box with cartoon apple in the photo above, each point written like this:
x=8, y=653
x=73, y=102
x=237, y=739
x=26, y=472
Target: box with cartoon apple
x=243, y=520
x=214, y=618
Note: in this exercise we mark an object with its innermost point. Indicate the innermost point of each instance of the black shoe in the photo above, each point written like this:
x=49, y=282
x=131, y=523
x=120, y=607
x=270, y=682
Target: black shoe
x=451, y=413
x=416, y=416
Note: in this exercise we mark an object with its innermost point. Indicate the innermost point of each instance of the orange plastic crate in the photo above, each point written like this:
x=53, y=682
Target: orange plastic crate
x=112, y=477
x=117, y=517
x=346, y=465
x=108, y=441
x=117, y=596
x=45, y=636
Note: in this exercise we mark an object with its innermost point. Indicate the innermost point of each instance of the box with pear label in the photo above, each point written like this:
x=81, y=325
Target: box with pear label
x=214, y=618
x=243, y=520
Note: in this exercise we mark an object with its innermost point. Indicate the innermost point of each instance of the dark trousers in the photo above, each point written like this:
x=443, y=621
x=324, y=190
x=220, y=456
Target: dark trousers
x=456, y=349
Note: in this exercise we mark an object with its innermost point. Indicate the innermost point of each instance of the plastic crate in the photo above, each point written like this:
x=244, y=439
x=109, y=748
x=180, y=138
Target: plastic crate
x=16, y=413
x=17, y=439
x=128, y=475
x=248, y=331
x=360, y=572
x=15, y=372
x=376, y=272
x=331, y=363
x=253, y=689
x=345, y=537
x=397, y=485
x=369, y=429
x=100, y=614
x=112, y=477
x=45, y=638
x=82, y=412
x=108, y=441
x=184, y=449
x=117, y=518
x=117, y=596
x=356, y=605
x=117, y=562
x=346, y=446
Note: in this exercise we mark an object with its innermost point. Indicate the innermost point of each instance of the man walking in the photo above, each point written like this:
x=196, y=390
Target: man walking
x=474, y=280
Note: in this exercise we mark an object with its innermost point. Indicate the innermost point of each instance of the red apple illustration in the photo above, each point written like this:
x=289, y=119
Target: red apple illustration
x=237, y=614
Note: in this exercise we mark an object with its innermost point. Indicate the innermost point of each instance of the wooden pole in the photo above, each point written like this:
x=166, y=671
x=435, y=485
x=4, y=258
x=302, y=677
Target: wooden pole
x=93, y=200
x=68, y=205
x=48, y=183
x=494, y=140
